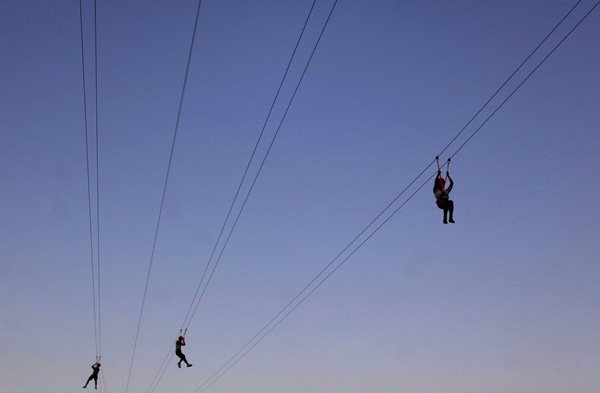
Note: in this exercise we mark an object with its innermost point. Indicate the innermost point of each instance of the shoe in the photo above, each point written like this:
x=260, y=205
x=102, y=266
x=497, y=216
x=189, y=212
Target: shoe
x=445, y=222
x=85, y=387
x=189, y=365
x=451, y=221
x=179, y=364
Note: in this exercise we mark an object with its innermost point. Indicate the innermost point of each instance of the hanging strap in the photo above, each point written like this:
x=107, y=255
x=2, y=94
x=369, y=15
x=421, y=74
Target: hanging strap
x=437, y=160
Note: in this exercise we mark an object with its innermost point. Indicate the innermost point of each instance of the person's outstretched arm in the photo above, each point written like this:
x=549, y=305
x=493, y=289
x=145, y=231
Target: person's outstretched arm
x=435, y=181
x=451, y=183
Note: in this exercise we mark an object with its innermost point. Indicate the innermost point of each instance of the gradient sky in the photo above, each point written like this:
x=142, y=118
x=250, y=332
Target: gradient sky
x=506, y=300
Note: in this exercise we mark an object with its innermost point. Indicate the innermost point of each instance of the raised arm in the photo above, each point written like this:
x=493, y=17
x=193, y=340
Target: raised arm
x=435, y=181
x=451, y=183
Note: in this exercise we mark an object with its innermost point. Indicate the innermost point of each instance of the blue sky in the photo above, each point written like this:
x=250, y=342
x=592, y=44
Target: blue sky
x=505, y=300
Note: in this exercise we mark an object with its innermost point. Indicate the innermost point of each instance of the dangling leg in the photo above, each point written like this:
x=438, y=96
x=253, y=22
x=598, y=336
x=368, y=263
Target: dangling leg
x=185, y=361
x=451, y=210
x=88, y=381
x=182, y=359
x=442, y=205
x=96, y=382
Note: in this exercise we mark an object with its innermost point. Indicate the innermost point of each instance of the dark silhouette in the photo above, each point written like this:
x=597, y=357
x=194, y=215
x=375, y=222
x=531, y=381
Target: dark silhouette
x=178, y=344
x=441, y=193
x=94, y=376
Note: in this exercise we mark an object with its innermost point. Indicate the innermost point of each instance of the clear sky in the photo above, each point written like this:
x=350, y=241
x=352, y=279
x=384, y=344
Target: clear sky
x=505, y=300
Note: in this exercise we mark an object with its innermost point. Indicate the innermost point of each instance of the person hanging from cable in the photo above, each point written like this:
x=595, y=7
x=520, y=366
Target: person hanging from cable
x=94, y=376
x=178, y=344
x=441, y=193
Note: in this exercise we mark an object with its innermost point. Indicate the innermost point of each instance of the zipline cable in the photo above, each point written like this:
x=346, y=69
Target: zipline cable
x=511, y=76
x=527, y=77
x=89, y=193
x=251, y=345
x=185, y=323
x=96, y=282
x=164, y=191
x=267, y=329
x=97, y=184
x=103, y=384
x=265, y=156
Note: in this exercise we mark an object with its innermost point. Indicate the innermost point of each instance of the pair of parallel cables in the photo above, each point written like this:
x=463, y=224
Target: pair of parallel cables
x=96, y=292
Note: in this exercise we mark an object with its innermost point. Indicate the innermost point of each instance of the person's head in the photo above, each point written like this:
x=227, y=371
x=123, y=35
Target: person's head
x=441, y=181
x=180, y=338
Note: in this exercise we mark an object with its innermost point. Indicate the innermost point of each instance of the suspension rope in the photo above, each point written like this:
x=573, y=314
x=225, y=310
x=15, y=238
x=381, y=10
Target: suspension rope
x=96, y=281
x=267, y=329
x=510, y=77
x=268, y=151
x=97, y=183
x=528, y=76
x=185, y=323
x=264, y=158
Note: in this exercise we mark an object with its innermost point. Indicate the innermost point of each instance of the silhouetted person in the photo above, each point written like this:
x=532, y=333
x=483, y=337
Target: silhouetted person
x=94, y=376
x=178, y=344
x=441, y=196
